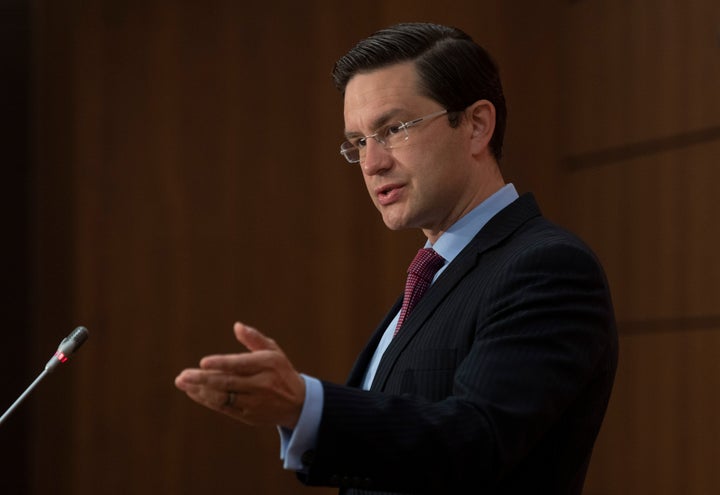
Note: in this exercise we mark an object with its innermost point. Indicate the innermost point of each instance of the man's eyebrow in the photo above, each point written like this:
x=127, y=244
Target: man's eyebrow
x=377, y=123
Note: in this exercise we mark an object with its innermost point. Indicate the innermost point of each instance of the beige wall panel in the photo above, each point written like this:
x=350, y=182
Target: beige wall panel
x=653, y=222
x=661, y=435
x=639, y=70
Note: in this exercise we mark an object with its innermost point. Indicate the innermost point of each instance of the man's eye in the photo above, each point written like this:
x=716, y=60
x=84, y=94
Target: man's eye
x=359, y=142
x=391, y=130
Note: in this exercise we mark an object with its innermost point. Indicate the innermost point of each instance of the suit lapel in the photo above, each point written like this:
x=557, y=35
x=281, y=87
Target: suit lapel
x=497, y=229
x=357, y=373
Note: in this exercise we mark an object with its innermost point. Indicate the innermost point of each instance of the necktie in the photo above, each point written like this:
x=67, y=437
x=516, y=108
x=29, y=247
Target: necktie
x=420, y=274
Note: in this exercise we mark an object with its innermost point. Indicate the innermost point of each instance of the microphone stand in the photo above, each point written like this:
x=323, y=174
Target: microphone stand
x=24, y=395
x=68, y=346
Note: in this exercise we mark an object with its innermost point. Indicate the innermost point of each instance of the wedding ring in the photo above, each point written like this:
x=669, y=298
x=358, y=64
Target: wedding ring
x=230, y=400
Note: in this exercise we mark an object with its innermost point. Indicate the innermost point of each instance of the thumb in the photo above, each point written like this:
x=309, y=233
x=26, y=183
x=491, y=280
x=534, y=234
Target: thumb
x=253, y=339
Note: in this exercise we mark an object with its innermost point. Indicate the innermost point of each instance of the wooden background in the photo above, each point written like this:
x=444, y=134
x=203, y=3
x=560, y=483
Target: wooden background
x=172, y=166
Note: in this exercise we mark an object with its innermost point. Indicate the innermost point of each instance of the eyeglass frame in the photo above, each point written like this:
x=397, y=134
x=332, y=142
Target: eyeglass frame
x=404, y=126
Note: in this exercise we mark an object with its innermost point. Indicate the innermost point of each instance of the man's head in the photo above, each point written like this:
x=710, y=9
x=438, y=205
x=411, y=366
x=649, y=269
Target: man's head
x=453, y=70
x=421, y=122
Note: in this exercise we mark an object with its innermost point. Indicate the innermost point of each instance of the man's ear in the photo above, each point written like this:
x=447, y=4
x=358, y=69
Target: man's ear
x=481, y=117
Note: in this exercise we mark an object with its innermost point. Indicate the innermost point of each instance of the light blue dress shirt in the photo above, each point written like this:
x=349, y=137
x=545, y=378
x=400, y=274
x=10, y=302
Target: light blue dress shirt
x=293, y=443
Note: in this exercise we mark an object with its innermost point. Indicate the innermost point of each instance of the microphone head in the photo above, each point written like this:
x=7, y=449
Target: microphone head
x=67, y=347
x=76, y=338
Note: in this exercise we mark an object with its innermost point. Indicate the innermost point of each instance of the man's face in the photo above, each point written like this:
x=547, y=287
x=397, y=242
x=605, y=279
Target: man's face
x=425, y=183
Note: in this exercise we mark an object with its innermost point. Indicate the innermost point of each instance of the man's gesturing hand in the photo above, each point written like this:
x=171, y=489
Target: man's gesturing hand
x=256, y=387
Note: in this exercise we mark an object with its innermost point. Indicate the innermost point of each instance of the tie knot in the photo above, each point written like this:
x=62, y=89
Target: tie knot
x=425, y=264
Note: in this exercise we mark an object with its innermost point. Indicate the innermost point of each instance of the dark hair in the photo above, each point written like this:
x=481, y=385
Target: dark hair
x=454, y=70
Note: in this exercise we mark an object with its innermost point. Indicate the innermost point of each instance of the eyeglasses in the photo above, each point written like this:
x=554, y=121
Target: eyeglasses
x=389, y=136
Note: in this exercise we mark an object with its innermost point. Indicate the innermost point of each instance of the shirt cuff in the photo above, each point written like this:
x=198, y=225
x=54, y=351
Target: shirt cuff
x=294, y=443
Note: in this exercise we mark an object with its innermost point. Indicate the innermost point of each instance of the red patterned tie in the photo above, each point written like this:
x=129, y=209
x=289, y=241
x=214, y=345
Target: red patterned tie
x=420, y=274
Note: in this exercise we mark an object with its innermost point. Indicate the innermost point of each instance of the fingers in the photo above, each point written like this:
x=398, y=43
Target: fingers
x=242, y=364
x=223, y=401
x=265, y=398
x=215, y=381
x=215, y=390
x=245, y=363
x=253, y=339
x=257, y=387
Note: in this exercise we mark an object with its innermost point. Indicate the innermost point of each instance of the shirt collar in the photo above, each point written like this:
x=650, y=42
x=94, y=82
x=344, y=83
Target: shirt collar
x=459, y=235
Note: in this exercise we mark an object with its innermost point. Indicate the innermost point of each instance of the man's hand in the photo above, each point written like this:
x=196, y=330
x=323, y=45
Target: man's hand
x=256, y=387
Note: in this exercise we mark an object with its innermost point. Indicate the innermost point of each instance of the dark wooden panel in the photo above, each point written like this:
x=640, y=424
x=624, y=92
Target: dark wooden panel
x=181, y=138
x=661, y=435
x=639, y=121
x=188, y=176
x=652, y=221
x=639, y=71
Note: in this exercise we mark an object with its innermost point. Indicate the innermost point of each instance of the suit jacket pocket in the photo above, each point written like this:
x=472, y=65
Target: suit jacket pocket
x=429, y=373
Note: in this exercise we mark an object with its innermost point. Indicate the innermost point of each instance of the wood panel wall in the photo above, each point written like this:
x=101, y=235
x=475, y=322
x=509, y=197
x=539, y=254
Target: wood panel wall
x=185, y=174
x=641, y=127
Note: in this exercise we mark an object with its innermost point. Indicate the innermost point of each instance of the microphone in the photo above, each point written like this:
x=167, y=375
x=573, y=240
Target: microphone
x=67, y=347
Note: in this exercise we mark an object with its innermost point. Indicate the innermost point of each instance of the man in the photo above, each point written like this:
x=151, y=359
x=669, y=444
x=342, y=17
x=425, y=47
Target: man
x=497, y=380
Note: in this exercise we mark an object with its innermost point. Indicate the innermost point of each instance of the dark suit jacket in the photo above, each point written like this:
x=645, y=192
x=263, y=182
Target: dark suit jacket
x=497, y=382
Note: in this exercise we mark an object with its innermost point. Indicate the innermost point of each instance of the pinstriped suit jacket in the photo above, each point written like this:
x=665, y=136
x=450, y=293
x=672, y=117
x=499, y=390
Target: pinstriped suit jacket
x=497, y=383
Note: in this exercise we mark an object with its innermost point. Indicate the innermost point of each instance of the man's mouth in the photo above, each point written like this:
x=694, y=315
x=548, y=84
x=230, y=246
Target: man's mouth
x=389, y=194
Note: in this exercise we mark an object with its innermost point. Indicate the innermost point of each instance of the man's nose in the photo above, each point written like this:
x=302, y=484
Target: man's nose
x=377, y=157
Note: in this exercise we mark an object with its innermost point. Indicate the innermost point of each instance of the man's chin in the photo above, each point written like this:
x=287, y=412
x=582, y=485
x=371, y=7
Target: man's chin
x=396, y=224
